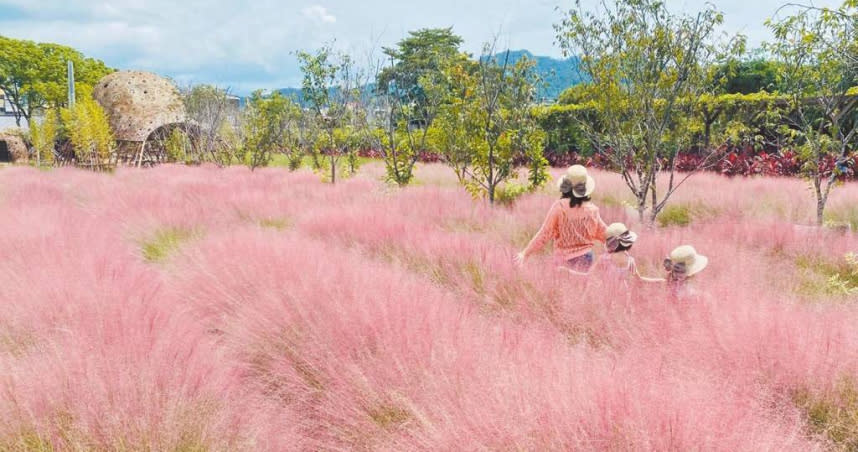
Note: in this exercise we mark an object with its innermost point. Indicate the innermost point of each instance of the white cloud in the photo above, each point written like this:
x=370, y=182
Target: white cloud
x=319, y=13
x=249, y=45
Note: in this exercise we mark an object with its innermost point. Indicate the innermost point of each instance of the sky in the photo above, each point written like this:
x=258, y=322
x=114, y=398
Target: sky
x=248, y=45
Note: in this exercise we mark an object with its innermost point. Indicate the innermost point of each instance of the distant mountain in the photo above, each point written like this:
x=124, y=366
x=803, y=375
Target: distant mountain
x=292, y=93
x=556, y=74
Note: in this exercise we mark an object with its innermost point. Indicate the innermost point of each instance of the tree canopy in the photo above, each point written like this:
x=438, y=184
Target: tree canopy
x=34, y=75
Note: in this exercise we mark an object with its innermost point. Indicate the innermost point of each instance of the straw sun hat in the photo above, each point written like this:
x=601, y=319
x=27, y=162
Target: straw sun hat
x=577, y=181
x=684, y=259
x=618, y=234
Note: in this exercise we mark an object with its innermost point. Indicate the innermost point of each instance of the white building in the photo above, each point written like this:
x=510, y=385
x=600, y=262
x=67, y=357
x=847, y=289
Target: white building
x=6, y=107
x=7, y=114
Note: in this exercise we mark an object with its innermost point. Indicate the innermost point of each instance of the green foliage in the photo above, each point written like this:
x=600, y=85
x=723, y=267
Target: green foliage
x=26, y=440
x=218, y=139
x=829, y=277
x=89, y=132
x=817, y=52
x=576, y=94
x=563, y=127
x=331, y=88
x=684, y=214
x=537, y=172
x=410, y=92
x=424, y=51
x=507, y=194
x=164, y=243
x=34, y=75
x=270, y=127
x=486, y=124
x=556, y=75
x=675, y=215
x=750, y=76
x=642, y=62
x=44, y=137
x=178, y=146
x=847, y=215
x=832, y=414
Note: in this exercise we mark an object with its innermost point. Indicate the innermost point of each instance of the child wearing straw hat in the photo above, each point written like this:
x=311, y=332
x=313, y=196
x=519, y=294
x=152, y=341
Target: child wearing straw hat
x=574, y=225
x=681, y=265
x=617, y=261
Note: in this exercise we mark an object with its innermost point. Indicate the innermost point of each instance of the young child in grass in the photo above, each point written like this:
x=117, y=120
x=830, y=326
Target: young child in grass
x=681, y=265
x=618, y=262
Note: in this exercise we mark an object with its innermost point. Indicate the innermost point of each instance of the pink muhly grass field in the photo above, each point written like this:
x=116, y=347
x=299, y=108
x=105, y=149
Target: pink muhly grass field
x=200, y=308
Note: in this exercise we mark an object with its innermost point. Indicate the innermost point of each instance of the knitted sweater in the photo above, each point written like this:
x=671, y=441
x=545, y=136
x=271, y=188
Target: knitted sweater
x=574, y=230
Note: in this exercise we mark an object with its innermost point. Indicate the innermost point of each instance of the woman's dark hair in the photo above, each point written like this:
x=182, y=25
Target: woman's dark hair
x=573, y=201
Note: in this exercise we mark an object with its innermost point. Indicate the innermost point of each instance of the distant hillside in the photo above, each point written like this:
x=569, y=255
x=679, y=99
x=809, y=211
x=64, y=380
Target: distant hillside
x=292, y=93
x=557, y=75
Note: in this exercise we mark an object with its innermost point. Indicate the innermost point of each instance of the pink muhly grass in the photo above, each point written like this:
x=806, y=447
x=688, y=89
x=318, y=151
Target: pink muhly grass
x=300, y=315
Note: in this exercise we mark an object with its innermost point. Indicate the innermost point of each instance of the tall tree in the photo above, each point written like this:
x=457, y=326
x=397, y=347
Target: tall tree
x=643, y=62
x=410, y=89
x=44, y=136
x=486, y=126
x=216, y=118
x=817, y=49
x=88, y=130
x=331, y=87
x=423, y=52
x=34, y=75
x=270, y=126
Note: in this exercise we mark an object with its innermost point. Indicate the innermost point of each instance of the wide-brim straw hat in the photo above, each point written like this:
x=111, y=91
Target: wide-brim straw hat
x=618, y=234
x=687, y=255
x=577, y=181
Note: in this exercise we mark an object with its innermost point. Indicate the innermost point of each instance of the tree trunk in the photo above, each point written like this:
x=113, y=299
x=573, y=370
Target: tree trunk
x=333, y=170
x=642, y=209
x=820, y=210
x=653, y=204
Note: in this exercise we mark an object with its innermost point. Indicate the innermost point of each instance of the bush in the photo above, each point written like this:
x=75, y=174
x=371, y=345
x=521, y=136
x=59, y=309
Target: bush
x=89, y=132
x=507, y=194
x=675, y=215
x=833, y=414
x=163, y=243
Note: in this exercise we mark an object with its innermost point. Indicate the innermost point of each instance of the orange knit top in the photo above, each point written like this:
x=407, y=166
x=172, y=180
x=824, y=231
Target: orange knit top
x=574, y=230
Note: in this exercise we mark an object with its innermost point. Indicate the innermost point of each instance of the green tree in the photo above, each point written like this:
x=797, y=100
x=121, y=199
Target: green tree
x=401, y=120
x=749, y=76
x=270, y=126
x=486, y=126
x=423, y=53
x=817, y=49
x=331, y=88
x=643, y=62
x=34, y=75
x=88, y=130
x=44, y=137
x=178, y=146
x=409, y=92
x=216, y=117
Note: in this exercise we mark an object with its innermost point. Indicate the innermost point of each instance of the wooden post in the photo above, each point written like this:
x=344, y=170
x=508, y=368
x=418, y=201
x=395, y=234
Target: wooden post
x=140, y=156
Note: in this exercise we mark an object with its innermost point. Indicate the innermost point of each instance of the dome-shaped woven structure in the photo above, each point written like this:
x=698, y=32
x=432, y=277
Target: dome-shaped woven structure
x=12, y=148
x=138, y=103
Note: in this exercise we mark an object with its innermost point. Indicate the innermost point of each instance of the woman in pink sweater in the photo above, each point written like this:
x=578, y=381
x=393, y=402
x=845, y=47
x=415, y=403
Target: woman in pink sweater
x=574, y=225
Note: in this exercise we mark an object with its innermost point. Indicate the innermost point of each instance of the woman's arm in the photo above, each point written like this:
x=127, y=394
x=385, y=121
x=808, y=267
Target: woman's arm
x=599, y=227
x=545, y=233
